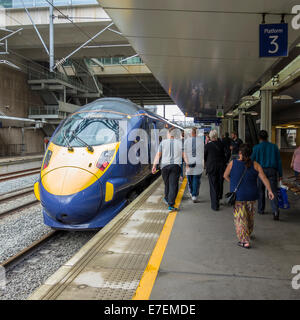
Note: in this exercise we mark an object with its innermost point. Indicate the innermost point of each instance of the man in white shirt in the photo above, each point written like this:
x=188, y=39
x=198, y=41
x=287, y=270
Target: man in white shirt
x=194, y=150
x=170, y=152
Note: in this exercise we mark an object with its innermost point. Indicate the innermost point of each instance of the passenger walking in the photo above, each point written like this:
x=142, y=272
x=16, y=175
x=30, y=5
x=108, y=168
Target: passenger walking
x=194, y=151
x=235, y=145
x=245, y=171
x=206, y=137
x=227, y=143
x=268, y=156
x=170, y=152
x=215, y=161
x=295, y=164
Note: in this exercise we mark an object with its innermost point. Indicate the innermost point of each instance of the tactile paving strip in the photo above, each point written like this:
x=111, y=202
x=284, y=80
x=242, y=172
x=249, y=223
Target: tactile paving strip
x=111, y=265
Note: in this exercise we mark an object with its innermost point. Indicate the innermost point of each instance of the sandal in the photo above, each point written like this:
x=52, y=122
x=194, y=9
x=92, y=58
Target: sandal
x=244, y=245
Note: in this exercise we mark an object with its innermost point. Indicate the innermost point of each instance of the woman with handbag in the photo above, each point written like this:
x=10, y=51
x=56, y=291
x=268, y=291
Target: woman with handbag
x=242, y=173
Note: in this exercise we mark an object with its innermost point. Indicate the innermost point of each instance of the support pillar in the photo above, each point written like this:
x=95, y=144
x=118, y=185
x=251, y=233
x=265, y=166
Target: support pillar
x=242, y=124
x=298, y=137
x=230, y=125
x=278, y=138
x=225, y=124
x=266, y=112
x=51, y=37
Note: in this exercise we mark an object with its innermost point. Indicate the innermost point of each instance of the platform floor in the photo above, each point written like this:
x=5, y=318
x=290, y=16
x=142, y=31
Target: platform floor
x=111, y=264
x=202, y=259
x=8, y=160
x=19, y=163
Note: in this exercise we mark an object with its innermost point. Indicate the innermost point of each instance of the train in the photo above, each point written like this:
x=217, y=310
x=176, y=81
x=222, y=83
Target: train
x=84, y=180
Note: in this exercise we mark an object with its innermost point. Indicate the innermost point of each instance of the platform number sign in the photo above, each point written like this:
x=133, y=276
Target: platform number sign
x=273, y=40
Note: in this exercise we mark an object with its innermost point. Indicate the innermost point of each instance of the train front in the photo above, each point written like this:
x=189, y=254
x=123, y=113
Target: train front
x=79, y=155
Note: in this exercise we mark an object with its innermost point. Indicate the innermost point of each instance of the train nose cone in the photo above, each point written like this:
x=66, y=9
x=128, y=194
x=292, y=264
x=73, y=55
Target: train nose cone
x=70, y=195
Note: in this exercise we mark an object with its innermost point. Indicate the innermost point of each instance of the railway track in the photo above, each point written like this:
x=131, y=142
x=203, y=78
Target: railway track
x=15, y=195
x=18, y=174
x=21, y=255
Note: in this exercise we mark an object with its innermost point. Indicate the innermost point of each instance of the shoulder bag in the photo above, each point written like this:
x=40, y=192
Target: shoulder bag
x=230, y=197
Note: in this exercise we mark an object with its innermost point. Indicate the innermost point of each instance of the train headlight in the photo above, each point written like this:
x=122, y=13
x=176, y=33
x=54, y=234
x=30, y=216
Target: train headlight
x=47, y=159
x=105, y=159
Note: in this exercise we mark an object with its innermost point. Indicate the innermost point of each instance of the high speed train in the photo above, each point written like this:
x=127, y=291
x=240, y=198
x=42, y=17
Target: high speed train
x=83, y=182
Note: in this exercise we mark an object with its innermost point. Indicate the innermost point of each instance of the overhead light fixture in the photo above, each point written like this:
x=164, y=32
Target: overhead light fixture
x=249, y=98
x=283, y=97
x=275, y=80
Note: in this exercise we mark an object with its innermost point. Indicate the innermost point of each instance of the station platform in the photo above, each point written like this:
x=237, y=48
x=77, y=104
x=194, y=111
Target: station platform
x=148, y=253
x=19, y=163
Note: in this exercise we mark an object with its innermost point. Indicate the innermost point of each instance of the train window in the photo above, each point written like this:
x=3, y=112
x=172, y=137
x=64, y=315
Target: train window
x=83, y=128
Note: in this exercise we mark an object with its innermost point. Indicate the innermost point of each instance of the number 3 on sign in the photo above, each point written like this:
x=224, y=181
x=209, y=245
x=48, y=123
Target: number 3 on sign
x=274, y=43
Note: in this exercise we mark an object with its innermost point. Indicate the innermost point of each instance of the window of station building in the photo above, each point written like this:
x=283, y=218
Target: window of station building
x=288, y=138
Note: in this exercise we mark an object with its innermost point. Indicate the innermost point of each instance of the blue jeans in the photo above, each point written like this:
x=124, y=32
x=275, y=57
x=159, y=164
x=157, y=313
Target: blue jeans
x=194, y=184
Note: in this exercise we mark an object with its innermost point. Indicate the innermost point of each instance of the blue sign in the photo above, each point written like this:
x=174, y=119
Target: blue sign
x=273, y=40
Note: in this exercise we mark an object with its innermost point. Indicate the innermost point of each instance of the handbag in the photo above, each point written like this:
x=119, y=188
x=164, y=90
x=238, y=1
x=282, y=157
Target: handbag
x=283, y=201
x=230, y=197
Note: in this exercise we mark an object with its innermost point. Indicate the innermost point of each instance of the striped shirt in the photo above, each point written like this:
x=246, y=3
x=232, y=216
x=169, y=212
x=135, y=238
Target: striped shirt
x=171, y=150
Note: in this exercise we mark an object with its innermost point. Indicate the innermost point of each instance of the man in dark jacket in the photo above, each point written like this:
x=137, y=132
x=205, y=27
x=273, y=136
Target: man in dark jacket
x=268, y=156
x=235, y=145
x=214, y=157
x=227, y=143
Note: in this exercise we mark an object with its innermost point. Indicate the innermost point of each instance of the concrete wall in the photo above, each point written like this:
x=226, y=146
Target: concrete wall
x=15, y=100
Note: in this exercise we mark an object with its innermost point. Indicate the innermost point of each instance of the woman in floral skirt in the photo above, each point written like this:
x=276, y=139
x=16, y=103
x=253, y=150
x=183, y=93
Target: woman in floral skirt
x=247, y=192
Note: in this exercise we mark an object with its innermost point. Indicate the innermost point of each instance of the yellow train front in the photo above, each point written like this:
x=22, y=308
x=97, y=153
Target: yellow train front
x=82, y=183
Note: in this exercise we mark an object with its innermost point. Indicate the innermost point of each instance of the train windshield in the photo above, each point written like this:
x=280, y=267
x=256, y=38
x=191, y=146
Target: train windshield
x=91, y=128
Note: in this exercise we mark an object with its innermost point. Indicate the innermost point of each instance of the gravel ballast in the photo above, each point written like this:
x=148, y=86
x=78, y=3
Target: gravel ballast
x=19, y=230
x=17, y=184
x=31, y=273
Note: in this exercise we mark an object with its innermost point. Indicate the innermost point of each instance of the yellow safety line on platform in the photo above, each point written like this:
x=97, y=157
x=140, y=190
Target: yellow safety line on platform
x=146, y=284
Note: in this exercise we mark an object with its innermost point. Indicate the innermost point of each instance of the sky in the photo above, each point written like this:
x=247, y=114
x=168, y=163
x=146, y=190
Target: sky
x=172, y=113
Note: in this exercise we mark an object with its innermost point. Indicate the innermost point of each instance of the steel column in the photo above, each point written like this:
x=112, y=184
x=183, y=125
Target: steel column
x=230, y=125
x=242, y=124
x=51, y=37
x=278, y=137
x=266, y=112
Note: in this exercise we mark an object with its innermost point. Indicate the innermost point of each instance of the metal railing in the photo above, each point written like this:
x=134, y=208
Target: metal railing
x=117, y=60
x=7, y=150
x=10, y=4
x=43, y=110
x=42, y=74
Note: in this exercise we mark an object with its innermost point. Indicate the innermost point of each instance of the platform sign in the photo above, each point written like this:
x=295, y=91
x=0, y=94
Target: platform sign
x=273, y=40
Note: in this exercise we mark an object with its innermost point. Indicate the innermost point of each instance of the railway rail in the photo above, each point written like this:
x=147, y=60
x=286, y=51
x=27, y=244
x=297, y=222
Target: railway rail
x=16, y=195
x=18, y=174
x=21, y=255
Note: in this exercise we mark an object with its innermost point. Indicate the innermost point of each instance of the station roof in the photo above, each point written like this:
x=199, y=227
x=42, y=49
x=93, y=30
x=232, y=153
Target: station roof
x=204, y=53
